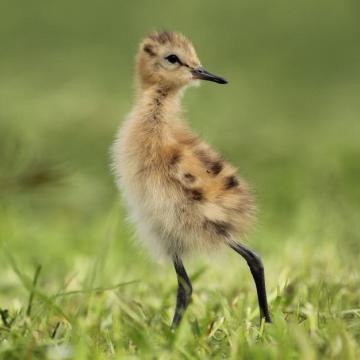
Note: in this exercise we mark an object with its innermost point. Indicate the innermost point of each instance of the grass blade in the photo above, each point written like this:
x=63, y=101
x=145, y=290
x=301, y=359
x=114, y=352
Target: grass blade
x=32, y=292
x=96, y=290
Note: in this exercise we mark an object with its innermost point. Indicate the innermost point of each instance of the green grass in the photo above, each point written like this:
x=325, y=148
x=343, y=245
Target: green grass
x=73, y=283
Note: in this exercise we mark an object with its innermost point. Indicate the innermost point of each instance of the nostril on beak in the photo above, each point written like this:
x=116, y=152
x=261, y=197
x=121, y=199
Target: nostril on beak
x=202, y=74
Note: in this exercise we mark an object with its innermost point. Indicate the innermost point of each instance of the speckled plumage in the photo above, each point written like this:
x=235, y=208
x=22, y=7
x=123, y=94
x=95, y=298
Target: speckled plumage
x=182, y=195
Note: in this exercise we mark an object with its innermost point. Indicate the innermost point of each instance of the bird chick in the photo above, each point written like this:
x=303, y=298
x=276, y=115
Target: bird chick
x=181, y=194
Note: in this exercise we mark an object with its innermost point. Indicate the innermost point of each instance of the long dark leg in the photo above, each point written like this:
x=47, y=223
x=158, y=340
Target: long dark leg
x=257, y=270
x=184, y=291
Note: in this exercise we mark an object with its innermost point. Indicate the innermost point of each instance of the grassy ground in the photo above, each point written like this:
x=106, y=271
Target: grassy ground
x=73, y=284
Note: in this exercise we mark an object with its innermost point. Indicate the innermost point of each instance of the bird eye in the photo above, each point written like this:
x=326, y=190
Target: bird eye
x=172, y=58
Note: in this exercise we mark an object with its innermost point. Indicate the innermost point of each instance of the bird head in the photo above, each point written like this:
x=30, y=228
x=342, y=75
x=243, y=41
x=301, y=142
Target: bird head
x=169, y=59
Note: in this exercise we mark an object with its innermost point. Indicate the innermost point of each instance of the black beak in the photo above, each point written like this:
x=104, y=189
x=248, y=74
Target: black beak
x=202, y=74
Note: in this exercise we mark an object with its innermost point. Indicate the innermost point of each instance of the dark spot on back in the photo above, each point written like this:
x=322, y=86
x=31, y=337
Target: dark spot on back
x=161, y=92
x=221, y=228
x=230, y=182
x=196, y=194
x=189, y=177
x=203, y=156
x=216, y=167
x=212, y=166
x=175, y=158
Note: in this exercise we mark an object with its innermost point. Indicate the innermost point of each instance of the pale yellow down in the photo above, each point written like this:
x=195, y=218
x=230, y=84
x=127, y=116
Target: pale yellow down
x=182, y=195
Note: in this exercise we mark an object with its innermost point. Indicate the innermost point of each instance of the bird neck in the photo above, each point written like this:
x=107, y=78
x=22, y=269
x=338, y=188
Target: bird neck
x=159, y=104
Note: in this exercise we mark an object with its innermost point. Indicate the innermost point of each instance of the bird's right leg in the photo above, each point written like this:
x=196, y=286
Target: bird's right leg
x=184, y=291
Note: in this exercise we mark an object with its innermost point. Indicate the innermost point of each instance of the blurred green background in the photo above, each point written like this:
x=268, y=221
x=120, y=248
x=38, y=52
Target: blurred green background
x=289, y=119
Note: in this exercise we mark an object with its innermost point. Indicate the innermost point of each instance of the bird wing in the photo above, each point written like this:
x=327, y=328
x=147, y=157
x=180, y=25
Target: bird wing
x=201, y=171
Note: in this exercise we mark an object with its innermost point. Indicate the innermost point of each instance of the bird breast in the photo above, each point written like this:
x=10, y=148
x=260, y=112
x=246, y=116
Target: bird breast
x=180, y=192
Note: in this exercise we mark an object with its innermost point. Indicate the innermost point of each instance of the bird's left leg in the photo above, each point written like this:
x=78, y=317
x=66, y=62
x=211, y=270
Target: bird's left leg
x=257, y=270
x=184, y=291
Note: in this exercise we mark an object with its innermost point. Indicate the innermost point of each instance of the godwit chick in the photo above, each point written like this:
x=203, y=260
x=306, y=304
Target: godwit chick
x=181, y=194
